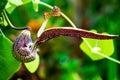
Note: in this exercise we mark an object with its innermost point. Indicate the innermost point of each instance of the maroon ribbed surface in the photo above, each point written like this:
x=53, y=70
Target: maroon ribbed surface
x=73, y=32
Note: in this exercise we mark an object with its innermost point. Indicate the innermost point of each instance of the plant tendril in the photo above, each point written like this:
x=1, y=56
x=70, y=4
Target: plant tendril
x=11, y=25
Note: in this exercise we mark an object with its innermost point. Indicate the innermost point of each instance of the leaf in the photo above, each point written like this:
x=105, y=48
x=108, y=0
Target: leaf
x=105, y=47
x=12, y=4
x=19, y=2
x=33, y=66
x=9, y=7
x=15, y=2
x=26, y=1
x=8, y=65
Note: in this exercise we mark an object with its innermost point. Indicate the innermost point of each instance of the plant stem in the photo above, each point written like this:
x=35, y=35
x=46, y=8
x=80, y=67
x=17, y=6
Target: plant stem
x=73, y=25
x=111, y=59
x=40, y=31
x=2, y=33
x=87, y=43
x=11, y=25
x=45, y=4
x=49, y=6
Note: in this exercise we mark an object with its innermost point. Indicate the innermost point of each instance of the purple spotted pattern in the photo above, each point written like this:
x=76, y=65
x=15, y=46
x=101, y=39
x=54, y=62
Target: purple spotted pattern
x=23, y=47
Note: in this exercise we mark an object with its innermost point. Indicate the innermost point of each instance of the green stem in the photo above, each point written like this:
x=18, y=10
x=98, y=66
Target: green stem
x=101, y=54
x=11, y=25
x=49, y=6
x=45, y=4
x=87, y=44
x=2, y=33
x=40, y=31
x=112, y=59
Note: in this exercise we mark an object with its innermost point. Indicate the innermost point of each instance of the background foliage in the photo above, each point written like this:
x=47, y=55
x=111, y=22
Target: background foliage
x=61, y=58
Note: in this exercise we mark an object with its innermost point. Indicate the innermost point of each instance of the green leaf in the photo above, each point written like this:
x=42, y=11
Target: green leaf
x=15, y=2
x=33, y=66
x=12, y=4
x=8, y=65
x=26, y=1
x=19, y=2
x=105, y=47
x=10, y=7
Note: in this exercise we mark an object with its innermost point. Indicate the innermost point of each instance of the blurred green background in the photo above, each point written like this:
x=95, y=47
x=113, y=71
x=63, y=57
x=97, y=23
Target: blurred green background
x=61, y=58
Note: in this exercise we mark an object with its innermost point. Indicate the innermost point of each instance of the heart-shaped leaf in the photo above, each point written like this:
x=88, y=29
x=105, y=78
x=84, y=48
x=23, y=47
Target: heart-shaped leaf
x=8, y=65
